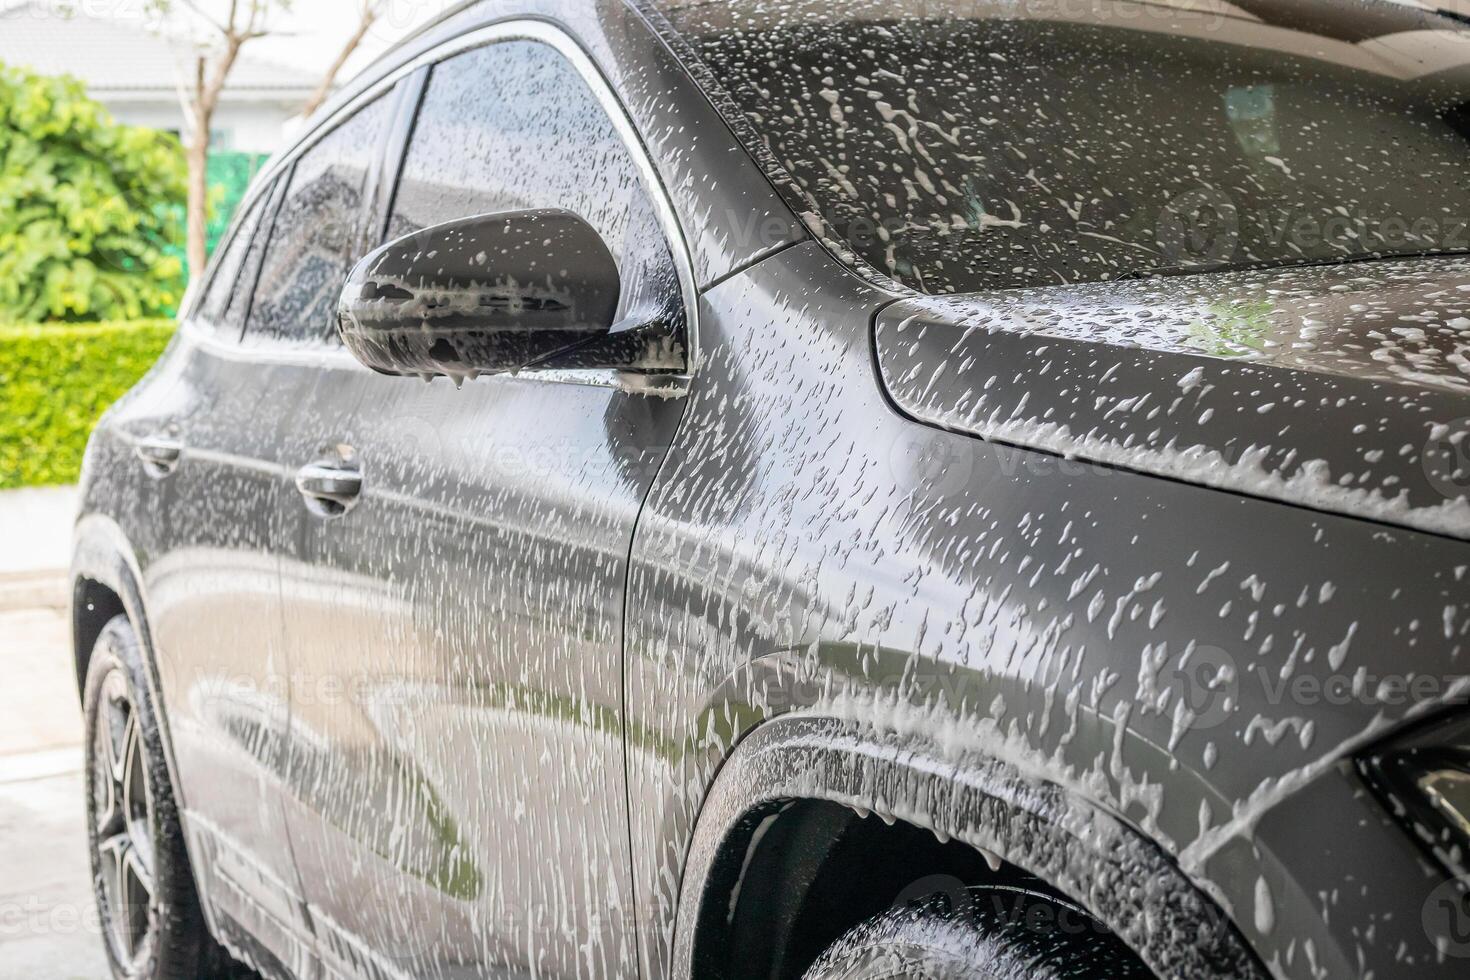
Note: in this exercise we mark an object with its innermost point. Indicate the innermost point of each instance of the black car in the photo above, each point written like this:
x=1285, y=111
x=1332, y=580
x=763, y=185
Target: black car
x=829, y=490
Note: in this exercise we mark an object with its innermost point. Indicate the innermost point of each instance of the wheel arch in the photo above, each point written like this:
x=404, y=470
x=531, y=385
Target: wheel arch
x=1084, y=853
x=106, y=582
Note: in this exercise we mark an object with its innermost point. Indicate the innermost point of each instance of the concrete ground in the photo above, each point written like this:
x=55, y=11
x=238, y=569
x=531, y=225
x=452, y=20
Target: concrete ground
x=48, y=920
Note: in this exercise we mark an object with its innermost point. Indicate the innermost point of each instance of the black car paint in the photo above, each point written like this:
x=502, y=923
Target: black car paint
x=775, y=579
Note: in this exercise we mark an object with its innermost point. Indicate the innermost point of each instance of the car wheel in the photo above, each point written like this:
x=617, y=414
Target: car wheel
x=149, y=912
x=995, y=934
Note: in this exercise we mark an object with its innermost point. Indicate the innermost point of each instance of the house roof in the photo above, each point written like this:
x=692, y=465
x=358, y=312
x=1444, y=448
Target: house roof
x=120, y=55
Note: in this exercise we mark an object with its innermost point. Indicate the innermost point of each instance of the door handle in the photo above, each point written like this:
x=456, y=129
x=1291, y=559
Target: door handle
x=160, y=454
x=330, y=489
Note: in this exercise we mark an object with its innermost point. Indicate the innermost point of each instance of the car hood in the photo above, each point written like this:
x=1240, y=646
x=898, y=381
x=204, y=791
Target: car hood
x=1343, y=388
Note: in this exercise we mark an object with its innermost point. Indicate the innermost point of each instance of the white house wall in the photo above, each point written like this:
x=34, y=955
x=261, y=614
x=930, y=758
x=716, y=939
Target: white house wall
x=255, y=127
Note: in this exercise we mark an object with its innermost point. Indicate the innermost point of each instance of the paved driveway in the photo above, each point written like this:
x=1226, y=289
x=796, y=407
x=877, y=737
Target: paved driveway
x=48, y=921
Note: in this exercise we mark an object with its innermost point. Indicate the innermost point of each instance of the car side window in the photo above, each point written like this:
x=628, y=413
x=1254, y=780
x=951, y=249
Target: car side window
x=513, y=125
x=316, y=234
x=226, y=300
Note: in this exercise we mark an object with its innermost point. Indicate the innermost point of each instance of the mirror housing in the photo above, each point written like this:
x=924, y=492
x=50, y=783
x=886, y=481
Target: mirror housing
x=495, y=293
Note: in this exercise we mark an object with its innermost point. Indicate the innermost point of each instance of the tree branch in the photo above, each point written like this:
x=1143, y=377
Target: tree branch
x=364, y=24
x=203, y=15
x=212, y=68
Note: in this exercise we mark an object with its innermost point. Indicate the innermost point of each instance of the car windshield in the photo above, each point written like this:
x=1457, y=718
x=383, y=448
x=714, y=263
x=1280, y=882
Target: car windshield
x=991, y=144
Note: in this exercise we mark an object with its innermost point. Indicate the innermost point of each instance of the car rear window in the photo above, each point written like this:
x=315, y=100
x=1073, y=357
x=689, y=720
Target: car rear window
x=228, y=296
x=966, y=146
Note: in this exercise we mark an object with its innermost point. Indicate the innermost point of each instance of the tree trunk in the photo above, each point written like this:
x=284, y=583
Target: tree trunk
x=198, y=157
x=207, y=91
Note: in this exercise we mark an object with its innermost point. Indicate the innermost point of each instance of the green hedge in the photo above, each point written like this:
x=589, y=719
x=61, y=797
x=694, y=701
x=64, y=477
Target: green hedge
x=56, y=380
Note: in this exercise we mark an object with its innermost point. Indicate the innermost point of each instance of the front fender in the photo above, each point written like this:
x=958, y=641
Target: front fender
x=1101, y=862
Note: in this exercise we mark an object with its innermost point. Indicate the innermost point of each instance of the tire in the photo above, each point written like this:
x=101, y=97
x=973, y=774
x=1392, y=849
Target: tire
x=997, y=934
x=152, y=925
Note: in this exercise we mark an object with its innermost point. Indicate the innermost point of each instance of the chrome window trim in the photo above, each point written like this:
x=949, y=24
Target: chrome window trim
x=518, y=29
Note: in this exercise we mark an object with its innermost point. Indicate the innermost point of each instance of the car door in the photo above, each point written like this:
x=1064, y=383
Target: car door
x=457, y=627
x=213, y=608
x=234, y=514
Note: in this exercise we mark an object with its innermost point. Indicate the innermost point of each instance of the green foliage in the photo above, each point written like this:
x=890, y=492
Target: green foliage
x=55, y=382
x=229, y=174
x=90, y=223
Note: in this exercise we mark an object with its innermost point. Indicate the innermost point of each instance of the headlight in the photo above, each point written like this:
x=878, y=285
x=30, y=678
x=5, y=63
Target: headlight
x=1425, y=780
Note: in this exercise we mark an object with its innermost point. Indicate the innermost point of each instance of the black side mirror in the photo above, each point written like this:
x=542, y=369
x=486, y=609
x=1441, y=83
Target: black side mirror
x=491, y=294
